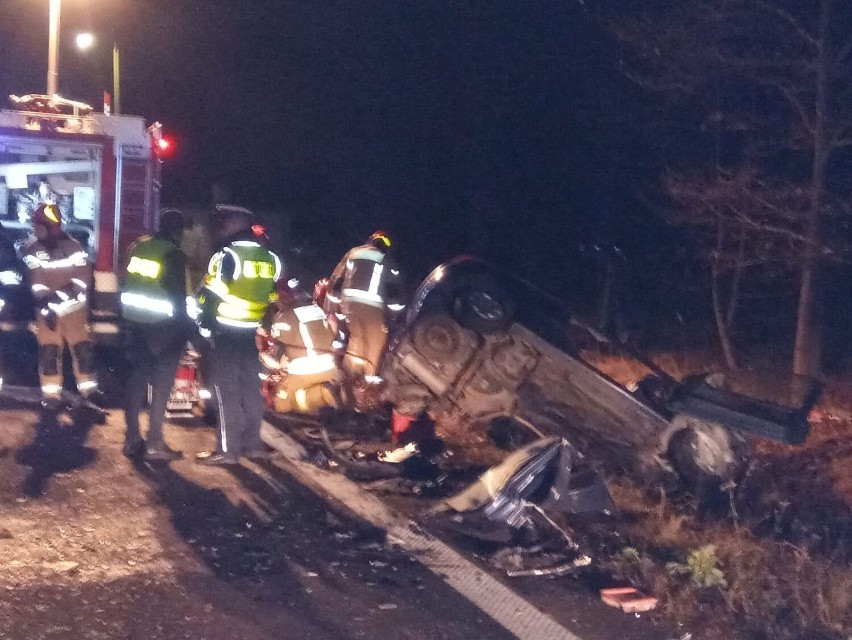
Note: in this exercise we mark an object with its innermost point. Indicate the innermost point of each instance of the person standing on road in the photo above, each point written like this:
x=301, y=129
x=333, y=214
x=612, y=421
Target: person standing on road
x=59, y=273
x=232, y=301
x=15, y=304
x=153, y=303
x=369, y=286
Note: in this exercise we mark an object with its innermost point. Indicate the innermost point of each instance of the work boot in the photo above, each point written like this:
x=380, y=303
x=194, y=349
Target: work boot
x=97, y=398
x=161, y=452
x=215, y=459
x=262, y=453
x=133, y=447
x=49, y=411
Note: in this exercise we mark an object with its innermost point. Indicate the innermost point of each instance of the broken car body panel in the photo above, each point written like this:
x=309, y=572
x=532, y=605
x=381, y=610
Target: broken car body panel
x=548, y=472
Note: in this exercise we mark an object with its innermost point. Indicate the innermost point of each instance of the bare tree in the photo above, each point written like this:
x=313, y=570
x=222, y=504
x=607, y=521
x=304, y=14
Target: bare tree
x=771, y=80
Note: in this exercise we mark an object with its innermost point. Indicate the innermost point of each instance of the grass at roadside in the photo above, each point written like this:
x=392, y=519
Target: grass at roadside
x=767, y=588
x=763, y=588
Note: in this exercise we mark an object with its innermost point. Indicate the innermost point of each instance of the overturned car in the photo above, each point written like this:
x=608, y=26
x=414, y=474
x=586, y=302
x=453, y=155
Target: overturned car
x=479, y=344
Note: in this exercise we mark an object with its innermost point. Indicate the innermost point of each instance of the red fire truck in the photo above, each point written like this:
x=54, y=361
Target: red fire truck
x=102, y=171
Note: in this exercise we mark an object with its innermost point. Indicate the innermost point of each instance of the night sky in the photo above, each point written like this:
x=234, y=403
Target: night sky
x=491, y=127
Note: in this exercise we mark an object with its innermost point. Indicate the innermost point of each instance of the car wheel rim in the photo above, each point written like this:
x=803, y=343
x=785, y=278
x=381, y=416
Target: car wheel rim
x=485, y=305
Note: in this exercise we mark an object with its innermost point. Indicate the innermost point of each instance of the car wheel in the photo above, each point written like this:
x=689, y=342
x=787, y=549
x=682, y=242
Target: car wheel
x=483, y=306
x=437, y=338
x=705, y=453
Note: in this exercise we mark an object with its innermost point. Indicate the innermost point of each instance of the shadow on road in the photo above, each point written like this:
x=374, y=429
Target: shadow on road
x=245, y=546
x=275, y=544
x=54, y=449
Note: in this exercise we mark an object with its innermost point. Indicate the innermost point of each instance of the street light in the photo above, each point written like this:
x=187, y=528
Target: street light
x=85, y=42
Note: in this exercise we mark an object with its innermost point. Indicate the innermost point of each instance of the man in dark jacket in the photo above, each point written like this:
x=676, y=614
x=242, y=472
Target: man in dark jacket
x=232, y=301
x=15, y=306
x=153, y=301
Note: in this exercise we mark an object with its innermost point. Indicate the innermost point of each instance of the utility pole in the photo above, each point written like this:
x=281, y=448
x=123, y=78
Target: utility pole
x=116, y=79
x=53, y=48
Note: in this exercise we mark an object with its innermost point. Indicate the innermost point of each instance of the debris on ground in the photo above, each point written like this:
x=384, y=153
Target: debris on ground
x=64, y=566
x=399, y=454
x=537, y=561
x=518, y=503
x=549, y=473
x=628, y=599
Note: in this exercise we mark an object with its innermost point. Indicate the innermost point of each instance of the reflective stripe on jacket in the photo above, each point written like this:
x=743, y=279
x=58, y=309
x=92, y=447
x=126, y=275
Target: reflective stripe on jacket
x=242, y=276
x=144, y=297
x=368, y=276
x=307, y=338
x=59, y=273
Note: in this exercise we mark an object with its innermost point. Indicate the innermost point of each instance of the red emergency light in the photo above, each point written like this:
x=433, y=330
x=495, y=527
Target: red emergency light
x=165, y=146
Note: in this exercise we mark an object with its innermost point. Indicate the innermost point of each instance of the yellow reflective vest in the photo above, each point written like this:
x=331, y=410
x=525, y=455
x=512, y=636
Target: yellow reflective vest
x=144, y=297
x=242, y=276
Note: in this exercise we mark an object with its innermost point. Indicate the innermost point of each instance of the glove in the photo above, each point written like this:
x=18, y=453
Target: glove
x=262, y=342
x=50, y=318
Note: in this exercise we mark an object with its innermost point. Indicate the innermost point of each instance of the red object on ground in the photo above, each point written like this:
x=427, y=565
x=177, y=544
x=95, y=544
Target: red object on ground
x=628, y=599
x=399, y=425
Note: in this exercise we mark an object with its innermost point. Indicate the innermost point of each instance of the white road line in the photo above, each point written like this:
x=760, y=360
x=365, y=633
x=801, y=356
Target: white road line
x=506, y=607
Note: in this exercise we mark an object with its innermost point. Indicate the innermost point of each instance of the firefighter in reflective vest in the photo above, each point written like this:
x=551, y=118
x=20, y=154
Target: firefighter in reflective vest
x=59, y=273
x=153, y=303
x=232, y=301
x=15, y=308
x=368, y=286
x=298, y=353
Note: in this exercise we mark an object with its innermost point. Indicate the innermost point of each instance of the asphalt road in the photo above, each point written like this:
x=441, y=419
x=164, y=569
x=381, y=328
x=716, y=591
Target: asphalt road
x=93, y=546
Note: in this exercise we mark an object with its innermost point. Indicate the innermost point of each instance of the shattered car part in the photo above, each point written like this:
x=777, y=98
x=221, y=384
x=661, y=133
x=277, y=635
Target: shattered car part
x=540, y=473
x=628, y=599
x=399, y=455
x=535, y=561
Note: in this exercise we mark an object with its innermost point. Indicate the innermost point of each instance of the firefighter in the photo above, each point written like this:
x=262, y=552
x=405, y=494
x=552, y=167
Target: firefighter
x=153, y=302
x=15, y=305
x=59, y=273
x=299, y=353
x=368, y=284
x=232, y=301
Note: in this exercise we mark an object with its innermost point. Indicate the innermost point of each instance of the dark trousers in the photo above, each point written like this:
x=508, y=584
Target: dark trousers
x=153, y=352
x=235, y=369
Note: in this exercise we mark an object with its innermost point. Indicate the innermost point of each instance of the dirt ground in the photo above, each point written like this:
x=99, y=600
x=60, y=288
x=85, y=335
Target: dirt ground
x=94, y=546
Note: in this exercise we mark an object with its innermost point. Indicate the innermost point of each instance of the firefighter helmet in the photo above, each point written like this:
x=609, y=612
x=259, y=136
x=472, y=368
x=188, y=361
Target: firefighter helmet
x=48, y=216
x=226, y=212
x=381, y=239
x=173, y=220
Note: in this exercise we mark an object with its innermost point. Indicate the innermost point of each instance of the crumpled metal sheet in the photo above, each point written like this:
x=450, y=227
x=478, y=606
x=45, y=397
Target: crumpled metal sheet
x=549, y=473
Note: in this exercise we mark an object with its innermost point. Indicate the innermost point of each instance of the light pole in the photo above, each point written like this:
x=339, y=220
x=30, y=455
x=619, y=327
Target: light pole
x=53, y=48
x=85, y=42
x=116, y=78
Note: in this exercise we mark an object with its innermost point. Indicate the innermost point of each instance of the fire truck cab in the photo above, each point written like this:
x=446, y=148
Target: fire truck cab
x=102, y=171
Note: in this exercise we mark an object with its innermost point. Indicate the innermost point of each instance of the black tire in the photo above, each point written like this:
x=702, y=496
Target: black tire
x=706, y=454
x=437, y=337
x=483, y=306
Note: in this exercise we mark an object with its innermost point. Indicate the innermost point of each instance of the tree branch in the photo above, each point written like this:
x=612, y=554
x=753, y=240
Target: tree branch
x=794, y=101
x=789, y=19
